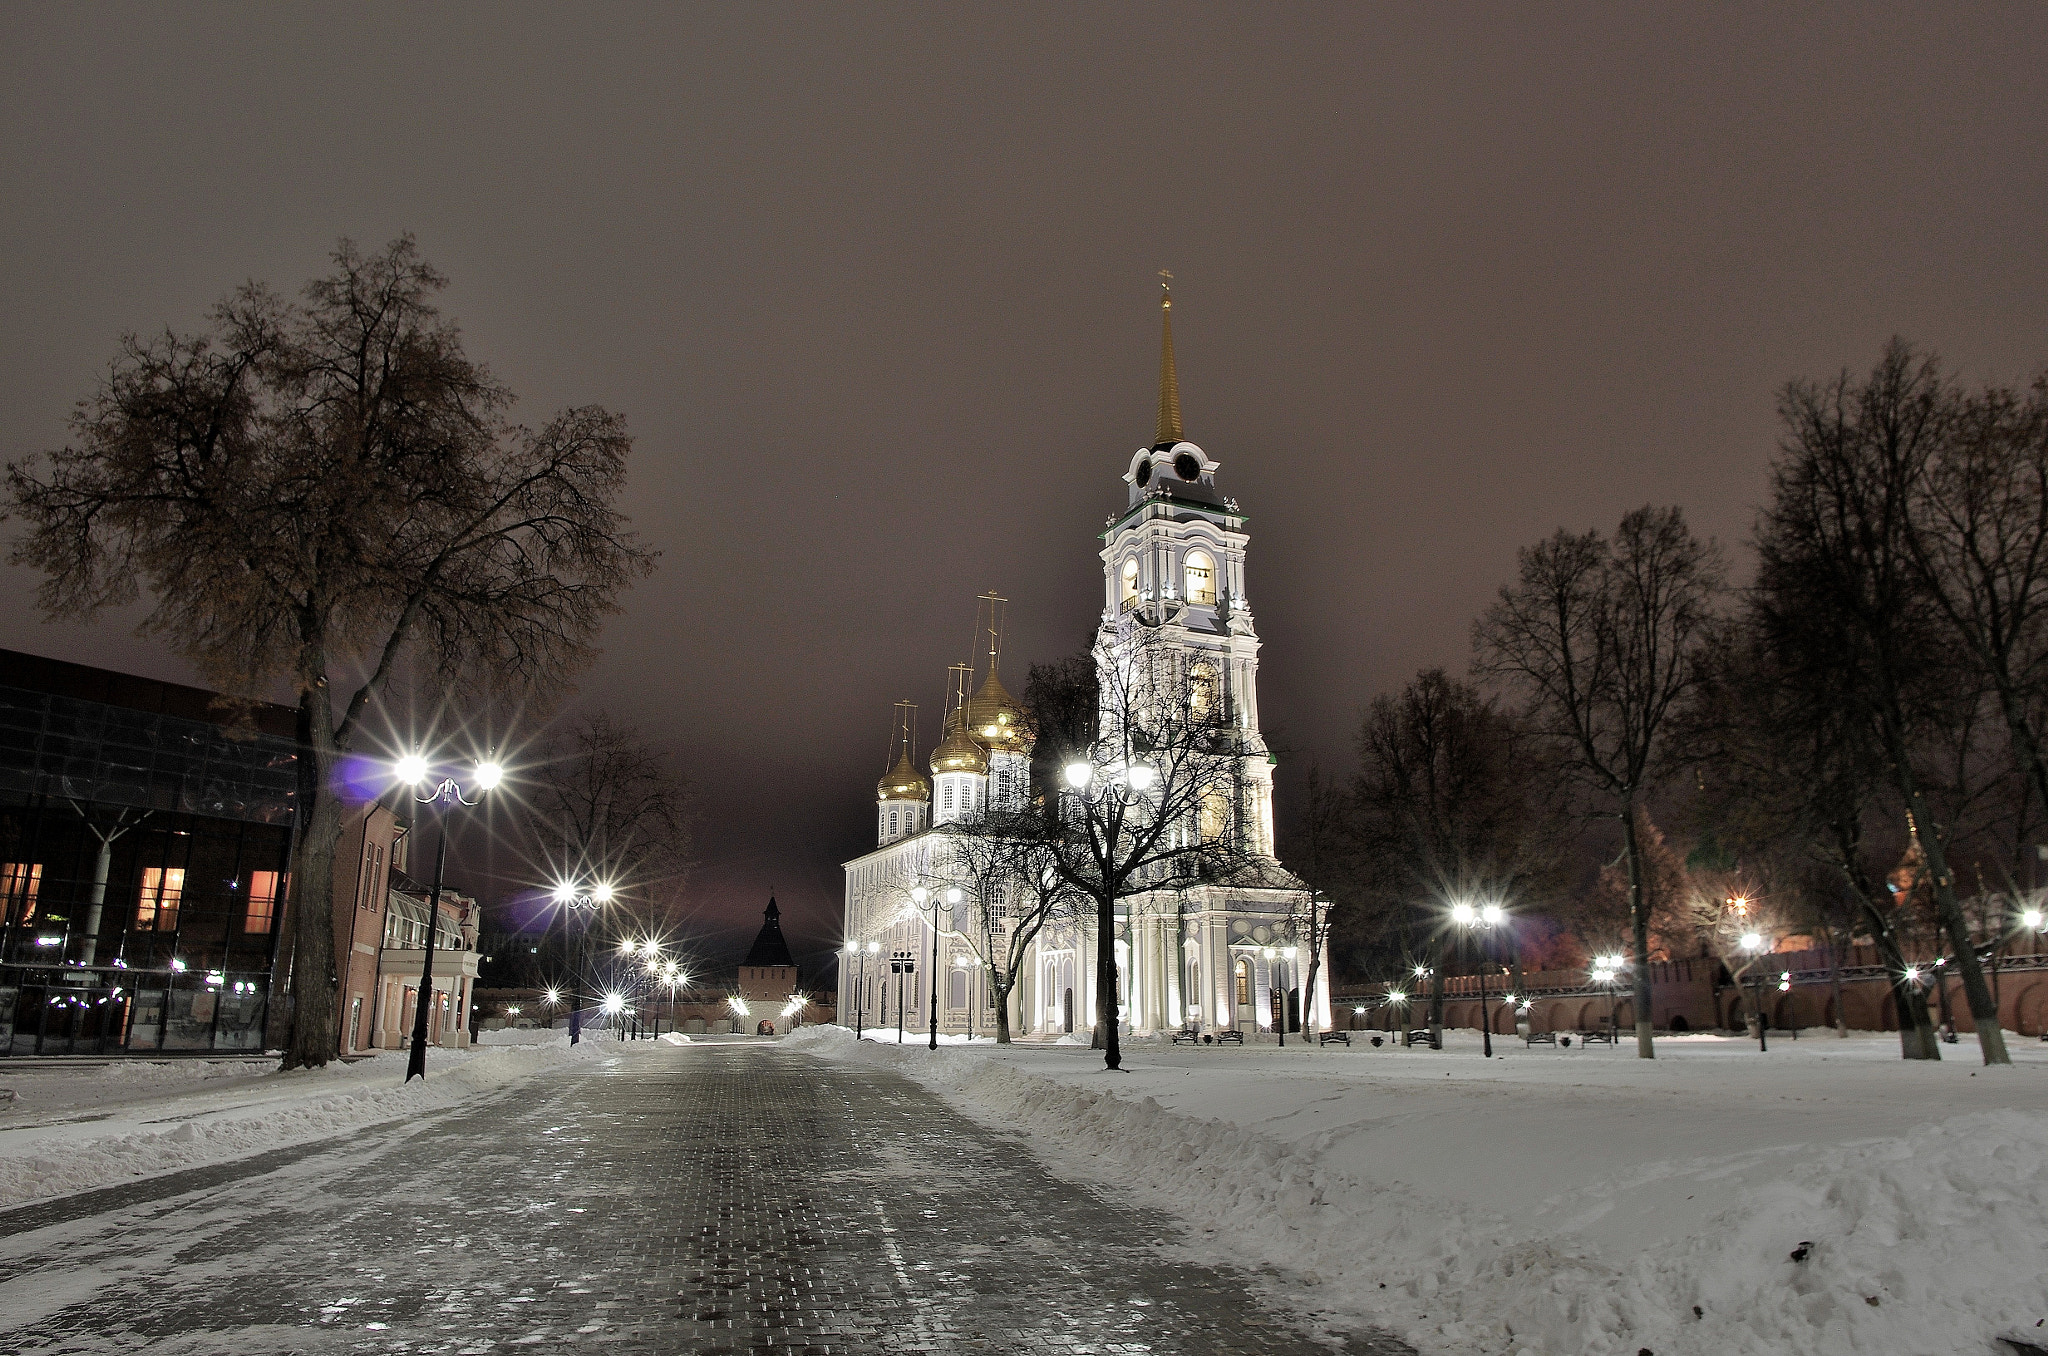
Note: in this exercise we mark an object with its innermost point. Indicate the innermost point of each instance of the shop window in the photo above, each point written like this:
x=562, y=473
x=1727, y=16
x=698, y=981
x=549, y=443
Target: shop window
x=265, y=889
x=162, y=887
x=19, y=884
x=1200, y=572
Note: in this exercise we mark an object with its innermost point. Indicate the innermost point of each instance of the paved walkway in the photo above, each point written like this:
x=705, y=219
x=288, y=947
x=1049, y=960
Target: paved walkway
x=708, y=1200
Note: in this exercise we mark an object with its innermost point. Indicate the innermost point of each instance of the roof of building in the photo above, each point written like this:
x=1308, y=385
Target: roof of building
x=769, y=947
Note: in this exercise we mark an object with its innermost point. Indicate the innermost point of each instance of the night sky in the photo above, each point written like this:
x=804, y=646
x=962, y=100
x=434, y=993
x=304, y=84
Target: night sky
x=876, y=288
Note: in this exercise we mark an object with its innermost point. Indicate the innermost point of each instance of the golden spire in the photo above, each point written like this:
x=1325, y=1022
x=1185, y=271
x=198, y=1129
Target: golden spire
x=1169, y=384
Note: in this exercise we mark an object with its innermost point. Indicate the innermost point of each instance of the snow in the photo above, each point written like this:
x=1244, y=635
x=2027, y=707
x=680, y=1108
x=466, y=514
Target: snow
x=75, y=1128
x=1570, y=1201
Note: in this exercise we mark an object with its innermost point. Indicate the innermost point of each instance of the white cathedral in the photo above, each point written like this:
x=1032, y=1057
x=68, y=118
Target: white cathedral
x=1201, y=957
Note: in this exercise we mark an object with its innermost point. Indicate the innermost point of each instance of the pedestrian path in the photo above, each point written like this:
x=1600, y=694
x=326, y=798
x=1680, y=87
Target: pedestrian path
x=713, y=1199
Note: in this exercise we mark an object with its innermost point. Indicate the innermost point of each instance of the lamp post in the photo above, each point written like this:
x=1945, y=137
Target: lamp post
x=901, y=963
x=574, y=897
x=1488, y=917
x=1753, y=943
x=415, y=772
x=1606, y=969
x=960, y=964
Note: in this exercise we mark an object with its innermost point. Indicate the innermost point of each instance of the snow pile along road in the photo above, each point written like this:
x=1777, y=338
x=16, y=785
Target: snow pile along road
x=1830, y=1202
x=192, y=1114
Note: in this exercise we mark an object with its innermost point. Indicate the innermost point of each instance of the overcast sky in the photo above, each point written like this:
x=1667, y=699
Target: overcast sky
x=876, y=289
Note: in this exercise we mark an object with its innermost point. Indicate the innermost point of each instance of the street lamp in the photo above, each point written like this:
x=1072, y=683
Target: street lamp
x=414, y=771
x=1753, y=943
x=576, y=897
x=1488, y=917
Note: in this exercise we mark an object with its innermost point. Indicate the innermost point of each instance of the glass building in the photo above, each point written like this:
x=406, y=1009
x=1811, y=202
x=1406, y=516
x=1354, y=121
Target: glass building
x=145, y=839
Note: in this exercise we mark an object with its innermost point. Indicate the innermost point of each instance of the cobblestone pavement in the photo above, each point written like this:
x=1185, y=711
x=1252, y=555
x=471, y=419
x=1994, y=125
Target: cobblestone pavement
x=715, y=1199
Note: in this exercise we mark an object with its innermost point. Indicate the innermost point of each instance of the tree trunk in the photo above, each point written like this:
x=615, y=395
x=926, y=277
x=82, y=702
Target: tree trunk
x=1315, y=965
x=1105, y=981
x=1002, y=993
x=1983, y=1008
x=1835, y=983
x=1436, y=999
x=318, y=827
x=1639, y=919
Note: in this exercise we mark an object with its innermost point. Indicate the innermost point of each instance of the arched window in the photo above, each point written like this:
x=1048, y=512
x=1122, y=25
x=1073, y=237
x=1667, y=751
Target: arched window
x=892, y=821
x=1201, y=579
x=1244, y=982
x=1213, y=817
x=1130, y=589
x=1202, y=691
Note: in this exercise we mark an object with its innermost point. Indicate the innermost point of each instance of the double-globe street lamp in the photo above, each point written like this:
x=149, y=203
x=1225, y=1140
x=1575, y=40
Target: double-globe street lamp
x=414, y=771
x=1489, y=917
x=920, y=897
x=860, y=993
x=1606, y=971
x=576, y=897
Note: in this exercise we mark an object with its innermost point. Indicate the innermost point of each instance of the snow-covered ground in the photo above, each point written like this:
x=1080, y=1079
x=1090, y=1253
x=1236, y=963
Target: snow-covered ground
x=1572, y=1201
x=77, y=1127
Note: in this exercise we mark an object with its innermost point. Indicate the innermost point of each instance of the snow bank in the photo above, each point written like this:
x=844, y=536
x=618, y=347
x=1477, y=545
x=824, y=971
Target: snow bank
x=259, y=1113
x=1933, y=1240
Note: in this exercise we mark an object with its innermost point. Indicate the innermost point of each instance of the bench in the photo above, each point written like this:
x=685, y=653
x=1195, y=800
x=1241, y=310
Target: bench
x=1230, y=1036
x=1325, y=1037
x=1187, y=1035
x=1596, y=1038
x=1535, y=1038
x=1421, y=1036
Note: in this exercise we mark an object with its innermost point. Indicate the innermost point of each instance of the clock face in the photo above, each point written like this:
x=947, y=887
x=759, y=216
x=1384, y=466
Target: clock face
x=1188, y=466
x=1144, y=473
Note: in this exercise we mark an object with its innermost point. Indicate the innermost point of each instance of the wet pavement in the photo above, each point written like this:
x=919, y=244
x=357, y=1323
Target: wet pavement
x=714, y=1199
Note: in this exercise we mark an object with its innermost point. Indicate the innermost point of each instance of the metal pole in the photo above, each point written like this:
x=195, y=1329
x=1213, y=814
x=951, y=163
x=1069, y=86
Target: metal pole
x=935, y=972
x=1281, y=1025
x=1485, y=1012
x=574, y=955
x=416, y=1067
x=1761, y=1045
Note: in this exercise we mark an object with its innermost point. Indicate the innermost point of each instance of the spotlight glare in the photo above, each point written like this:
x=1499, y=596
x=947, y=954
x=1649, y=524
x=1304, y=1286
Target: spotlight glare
x=411, y=769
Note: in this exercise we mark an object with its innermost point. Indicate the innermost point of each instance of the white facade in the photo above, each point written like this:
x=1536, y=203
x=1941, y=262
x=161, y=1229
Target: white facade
x=1208, y=957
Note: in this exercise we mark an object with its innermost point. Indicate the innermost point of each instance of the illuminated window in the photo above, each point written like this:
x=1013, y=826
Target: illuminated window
x=1130, y=591
x=1244, y=981
x=162, y=886
x=265, y=889
x=1202, y=692
x=892, y=821
x=19, y=882
x=1201, y=579
x=1213, y=817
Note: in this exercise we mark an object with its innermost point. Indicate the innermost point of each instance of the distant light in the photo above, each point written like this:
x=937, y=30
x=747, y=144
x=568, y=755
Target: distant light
x=553, y=996
x=953, y=895
x=1752, y=941
x=488, y=775
x=2031, y=919
x=1492, y=914
x=1393, y=996
x=411, y=769
x=49, y=941
x=852, y=945
x=629, y=946
x=874, y=947
x=1291, y=952
x=602, y=892
x=1359, y=1012
x=918, y=894
x=1078, y=775
x=1463, y=913
x=614, y=1004
x=1267, y=953
x=960, y=961
x=1912, y=974
x=1421, y=970
x=564, y=892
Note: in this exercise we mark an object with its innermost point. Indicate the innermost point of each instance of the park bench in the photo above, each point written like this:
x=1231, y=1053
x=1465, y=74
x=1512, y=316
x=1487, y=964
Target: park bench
x=1420, y=1036
x=1535, y=1038
x=1187, y=1035
x=1231, y=1036
x=1596, y=1038
x=1325, y=1037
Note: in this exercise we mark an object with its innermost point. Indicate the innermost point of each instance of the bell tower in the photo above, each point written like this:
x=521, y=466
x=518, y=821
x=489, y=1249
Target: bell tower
x=1173, y=573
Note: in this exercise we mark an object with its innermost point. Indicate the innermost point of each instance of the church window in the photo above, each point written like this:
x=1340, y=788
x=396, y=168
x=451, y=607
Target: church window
x=892, y=821
x=1201, y=579
x=1130, y=587
x=949, y=795
x=1202, y=692
x=1244, y=982
x=1213, y=815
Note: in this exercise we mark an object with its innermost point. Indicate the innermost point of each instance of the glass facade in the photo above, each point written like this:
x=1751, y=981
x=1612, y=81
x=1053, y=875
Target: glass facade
x=144, y=863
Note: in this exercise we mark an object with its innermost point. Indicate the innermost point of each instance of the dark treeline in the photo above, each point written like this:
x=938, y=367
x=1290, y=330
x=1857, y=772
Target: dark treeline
x=1651, y=761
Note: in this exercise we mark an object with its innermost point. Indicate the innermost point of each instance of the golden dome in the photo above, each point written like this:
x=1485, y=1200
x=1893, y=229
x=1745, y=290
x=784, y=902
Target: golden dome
x=904, y=782
x=958, y=753
x=995, y=720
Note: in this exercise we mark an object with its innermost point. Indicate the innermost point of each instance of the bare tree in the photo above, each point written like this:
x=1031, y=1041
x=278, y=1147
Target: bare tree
x=314, y=489
x=1603, y=639
x=1154, y=803
x=1016, y=891
x=615, y=809
x=1836, y=542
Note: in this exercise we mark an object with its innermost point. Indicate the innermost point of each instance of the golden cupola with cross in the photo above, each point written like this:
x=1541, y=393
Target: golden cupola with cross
x=903, y=798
